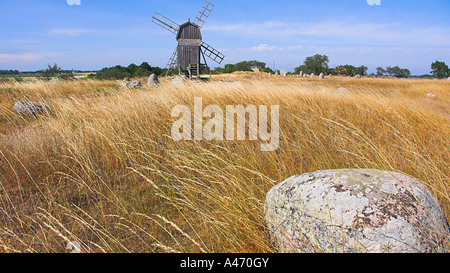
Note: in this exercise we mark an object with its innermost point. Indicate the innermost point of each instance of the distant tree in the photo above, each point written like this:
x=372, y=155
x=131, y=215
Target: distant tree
x=345, y=70
x=362, y=70
x=258, y=64
x=229, y=68
x=132, y=68
x=267, y=70
x=398, y=72
x=440, y=70
x=405, y=73
x=301, y=68
x=314, y=64
x=145, y=66
x=9, y=72
x=50, y=71
x=139, y=72
x=158, y=71
x=242, y=66
x=380, y=71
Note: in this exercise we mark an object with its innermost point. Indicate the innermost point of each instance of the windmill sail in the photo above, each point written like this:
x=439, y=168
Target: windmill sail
x=204, y=14
x=165, y=23
x=212, y=53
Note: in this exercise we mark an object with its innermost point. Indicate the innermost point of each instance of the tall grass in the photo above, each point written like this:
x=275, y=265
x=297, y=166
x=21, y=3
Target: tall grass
x=103, y=170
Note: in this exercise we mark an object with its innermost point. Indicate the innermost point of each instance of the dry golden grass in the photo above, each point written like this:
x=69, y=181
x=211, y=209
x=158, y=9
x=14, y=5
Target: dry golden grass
x=102, y=169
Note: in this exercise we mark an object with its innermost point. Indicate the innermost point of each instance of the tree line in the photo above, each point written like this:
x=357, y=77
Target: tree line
x=132, y=71
x=319, y=64
x=314, y=64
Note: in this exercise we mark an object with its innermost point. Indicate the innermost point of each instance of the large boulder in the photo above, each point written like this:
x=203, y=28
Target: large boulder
x=132, y=84
x=153, y=80
x=355, y=211
x=30, y=108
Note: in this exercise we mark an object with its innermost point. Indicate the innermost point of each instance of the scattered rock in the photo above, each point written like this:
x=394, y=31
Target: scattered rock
x=30, y=108
x=301, y=73
x=276, y=73
x=305, y=75
x=430, y=95
x=153, y=80
x=312, y=75
x=321, y=76
x=358, y=77
x=342, y=90
x=283, y=72
x=133, y=84
x=355, y=211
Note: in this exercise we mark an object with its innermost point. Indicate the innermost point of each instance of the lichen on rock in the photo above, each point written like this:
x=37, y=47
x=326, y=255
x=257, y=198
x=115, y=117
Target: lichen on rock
x=355, y=211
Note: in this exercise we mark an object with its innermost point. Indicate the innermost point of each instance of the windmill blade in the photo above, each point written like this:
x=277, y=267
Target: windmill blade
x=211, y=53
x=165, y=23
x=204, y=14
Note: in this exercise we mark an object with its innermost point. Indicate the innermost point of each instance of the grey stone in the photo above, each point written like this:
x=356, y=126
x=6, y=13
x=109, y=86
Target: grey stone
x=321, y=76
x=276, y=73
x=283, y=72
x=355, y=211
x=430, y=95
x=312, y=75
x=153, y=80
x=358, y=77
x=30, y=108
x=301, y=73
x=133, y=84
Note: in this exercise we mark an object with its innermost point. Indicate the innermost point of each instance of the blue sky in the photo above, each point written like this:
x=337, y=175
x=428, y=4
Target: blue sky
x=101, y=33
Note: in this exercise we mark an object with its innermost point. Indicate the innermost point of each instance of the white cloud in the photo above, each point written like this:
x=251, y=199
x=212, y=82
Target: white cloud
x=69, y=31
x=27, y=58
x=265, y=47
x=374, y=33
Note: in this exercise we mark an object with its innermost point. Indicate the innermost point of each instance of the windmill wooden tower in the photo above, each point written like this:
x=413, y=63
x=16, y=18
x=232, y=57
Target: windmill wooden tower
x=188, y=55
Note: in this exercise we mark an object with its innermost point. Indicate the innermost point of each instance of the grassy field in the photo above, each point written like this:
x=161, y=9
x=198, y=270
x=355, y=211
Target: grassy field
x=103, y=170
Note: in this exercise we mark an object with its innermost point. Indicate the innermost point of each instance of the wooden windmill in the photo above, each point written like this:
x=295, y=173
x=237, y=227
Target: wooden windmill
x=191, y=49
